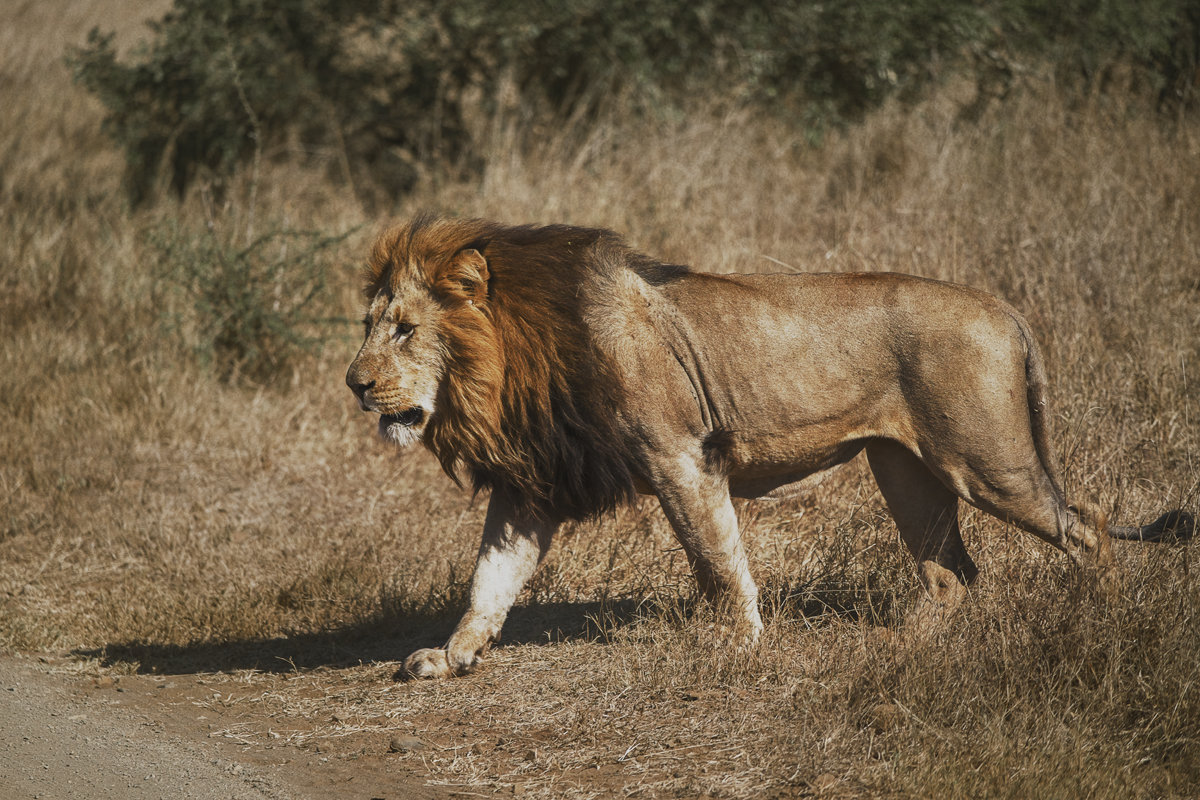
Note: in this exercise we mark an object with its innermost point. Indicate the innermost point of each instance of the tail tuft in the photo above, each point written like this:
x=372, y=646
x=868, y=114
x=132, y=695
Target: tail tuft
x=1173, y=526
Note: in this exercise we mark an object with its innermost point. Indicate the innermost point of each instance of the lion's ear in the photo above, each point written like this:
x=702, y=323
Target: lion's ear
x=465, y=276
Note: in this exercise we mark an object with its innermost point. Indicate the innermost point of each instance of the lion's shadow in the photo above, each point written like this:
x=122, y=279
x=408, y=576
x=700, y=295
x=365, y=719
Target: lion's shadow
x=383, y=638
x=388, y=637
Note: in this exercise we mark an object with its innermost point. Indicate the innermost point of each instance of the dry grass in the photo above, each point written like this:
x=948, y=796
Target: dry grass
x=159, y=519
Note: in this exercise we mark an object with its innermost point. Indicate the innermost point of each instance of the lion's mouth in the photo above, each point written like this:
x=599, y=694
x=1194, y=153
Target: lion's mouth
x=404, y=428
x=412, y=416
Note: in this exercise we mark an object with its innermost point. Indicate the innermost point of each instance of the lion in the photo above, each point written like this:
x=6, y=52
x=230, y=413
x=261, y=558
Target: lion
x=566, y=373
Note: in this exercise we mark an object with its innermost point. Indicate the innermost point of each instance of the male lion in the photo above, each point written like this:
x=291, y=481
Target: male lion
x=565, y=372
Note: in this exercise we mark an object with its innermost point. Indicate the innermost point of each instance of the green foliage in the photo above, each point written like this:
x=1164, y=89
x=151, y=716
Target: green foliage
x=248, y=311
x=216, y=78
x=1088, y=40
x=392, y=86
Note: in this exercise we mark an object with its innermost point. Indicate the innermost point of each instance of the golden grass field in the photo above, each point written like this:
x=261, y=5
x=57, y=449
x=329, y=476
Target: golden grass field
x=156, y=518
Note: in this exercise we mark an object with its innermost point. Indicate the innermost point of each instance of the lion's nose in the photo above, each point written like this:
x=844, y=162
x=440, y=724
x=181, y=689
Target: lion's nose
x=359, y=389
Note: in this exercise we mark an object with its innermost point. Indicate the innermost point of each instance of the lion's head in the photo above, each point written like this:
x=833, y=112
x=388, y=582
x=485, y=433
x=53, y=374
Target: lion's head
x=419, y=303
x=475, y=344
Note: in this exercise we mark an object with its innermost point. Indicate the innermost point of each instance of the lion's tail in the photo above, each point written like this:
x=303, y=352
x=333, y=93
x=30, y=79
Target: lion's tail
x=1035, y=387
x=1174, y=526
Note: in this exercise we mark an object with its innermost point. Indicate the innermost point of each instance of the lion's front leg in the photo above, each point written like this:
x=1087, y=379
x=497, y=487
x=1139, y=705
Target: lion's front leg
x=513, y=546
x=698, y=506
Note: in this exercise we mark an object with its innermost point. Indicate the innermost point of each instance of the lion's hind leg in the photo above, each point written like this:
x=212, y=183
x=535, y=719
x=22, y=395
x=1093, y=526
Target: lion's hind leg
x=1023, y=493
x=926, y=515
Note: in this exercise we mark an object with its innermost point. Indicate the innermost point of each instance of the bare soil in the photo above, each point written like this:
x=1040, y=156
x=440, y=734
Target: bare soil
x=65, y=733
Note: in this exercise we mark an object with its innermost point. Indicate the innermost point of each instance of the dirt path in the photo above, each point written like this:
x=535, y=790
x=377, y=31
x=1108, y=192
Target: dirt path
x=65, y=735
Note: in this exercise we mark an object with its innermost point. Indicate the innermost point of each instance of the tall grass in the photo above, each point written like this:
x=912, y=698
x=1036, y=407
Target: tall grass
x=156, y=514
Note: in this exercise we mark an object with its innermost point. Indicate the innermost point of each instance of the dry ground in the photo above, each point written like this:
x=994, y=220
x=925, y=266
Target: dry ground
x=68, y=735
x=259, y=549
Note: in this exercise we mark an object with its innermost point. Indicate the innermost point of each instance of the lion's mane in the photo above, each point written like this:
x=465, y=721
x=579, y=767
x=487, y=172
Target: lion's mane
x=527, y=404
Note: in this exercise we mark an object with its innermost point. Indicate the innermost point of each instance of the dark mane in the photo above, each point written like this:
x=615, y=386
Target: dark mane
x=528, y=402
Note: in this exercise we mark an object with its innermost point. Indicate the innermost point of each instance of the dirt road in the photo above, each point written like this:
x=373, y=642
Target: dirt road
x=67, y=735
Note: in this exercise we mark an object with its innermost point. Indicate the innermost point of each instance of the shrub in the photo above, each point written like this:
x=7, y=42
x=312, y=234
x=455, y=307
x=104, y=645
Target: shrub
x=215, y=79
x=248, y=311
x=1157, y=42
x=393, y=87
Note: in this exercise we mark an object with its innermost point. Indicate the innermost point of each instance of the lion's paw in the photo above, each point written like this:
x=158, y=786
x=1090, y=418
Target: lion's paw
x=430, y=662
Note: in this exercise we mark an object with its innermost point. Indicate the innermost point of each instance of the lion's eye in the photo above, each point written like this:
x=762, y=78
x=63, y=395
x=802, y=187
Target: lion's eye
x=403, y=331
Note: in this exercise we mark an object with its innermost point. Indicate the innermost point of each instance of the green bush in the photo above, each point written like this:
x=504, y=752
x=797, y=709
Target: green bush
x=1157, y=41
x=218, y=81
x=248, y=311
x=391, y=86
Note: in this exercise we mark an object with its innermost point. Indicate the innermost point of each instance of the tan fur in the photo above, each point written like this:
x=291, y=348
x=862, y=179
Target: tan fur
x=560, y=369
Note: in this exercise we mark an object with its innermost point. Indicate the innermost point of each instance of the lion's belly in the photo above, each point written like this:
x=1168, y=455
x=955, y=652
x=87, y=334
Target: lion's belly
x=765, y=475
